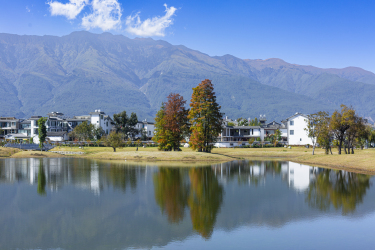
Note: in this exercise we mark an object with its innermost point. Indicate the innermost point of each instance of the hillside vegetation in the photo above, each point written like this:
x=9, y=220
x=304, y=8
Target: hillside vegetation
x=80, y=72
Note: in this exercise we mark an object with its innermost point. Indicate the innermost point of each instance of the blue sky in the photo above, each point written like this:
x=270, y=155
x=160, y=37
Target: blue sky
x=327, y=34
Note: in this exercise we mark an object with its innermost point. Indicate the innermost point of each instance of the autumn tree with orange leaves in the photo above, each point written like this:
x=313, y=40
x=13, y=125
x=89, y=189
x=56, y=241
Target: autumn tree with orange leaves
x=205, y=117
x=171, y=123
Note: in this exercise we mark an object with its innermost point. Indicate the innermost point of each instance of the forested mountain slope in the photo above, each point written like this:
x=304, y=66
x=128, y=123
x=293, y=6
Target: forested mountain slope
x=80, y=72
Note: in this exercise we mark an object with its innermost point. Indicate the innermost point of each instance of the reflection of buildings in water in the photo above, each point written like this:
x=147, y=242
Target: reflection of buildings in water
x=81, y=173
x=298, y=176
x=94, y=179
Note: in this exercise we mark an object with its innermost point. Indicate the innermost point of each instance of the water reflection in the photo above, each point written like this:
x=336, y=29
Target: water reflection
x=197, y=189
x=343, y=190
x=104, y=205
x=41, y=180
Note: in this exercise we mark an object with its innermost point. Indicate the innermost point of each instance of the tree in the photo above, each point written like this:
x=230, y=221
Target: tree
x=84, y=131
x=143, y=134
x=98, y=133
x=277, y=136
x=125, y=124
x=42, y=131
x=242, y=122
x=325, y=136
x=316, y=125
x=205, y=117
x=355, y=131
x=176, y=121
x=340, y=123
x=255, y=122
x=160, y=135
x=114, y=140
x=1, y=131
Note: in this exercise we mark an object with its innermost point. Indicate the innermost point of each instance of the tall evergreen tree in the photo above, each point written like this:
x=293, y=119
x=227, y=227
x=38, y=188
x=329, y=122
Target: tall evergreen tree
x=171, y=123
x=160, y=136
x=42, y=131
x=176, y=120
x=205, y=117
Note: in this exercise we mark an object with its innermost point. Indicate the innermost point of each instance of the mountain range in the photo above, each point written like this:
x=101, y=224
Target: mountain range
x=80, y=72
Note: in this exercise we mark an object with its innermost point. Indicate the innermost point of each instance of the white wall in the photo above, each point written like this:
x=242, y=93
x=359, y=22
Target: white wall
x=299, y=176
x=300, y=134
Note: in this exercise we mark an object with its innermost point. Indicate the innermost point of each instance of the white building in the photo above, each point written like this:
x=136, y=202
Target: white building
x=296, y=125
x=100, y=119
x=148, y=127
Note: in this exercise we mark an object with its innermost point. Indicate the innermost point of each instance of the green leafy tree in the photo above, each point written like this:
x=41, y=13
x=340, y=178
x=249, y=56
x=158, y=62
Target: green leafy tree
x=83, y=131
x=242, y=122
x=114, y=140
x=42, y=131
x=205, y=117
x=340, y=122
x=98, y=133
x=356, y=131
x=125, y=124
x=231, y=124
x=161, y=135
x=325, y=136
x=316, y=125
x=144, y=134
x=277, y=136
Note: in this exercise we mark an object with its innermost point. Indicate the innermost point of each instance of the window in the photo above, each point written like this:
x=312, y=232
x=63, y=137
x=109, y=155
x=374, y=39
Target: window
x=149, y=132
x=291, y=123
x=291, y=132
x=300, y=139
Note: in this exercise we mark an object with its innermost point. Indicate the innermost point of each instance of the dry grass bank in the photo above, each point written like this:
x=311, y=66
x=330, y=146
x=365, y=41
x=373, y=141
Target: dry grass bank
x=7, y=152
x=362, y=160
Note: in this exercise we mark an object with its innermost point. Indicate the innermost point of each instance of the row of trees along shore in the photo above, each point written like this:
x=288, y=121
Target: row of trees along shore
x=343, y=129
x=202, y=122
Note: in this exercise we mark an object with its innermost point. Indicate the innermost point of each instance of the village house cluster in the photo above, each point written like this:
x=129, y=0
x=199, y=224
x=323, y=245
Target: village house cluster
x=59, y=126
x=293, y=129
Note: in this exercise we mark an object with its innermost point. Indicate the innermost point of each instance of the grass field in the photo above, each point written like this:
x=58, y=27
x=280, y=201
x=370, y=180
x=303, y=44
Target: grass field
x=361, y=161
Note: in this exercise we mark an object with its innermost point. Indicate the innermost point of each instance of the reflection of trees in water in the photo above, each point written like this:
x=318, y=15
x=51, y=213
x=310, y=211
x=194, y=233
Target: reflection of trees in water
x=121, y=176
x=171, y=191
x=203, y=195
x=341, y=189
x=41, y=180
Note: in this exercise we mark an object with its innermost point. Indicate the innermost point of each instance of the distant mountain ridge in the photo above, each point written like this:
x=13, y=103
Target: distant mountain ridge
x=80, y=72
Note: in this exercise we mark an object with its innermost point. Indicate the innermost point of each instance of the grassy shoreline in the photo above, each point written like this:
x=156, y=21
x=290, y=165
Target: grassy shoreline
x=362, y=161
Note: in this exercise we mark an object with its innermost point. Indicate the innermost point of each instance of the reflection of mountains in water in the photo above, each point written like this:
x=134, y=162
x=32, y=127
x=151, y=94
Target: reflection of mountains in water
x=126, y=201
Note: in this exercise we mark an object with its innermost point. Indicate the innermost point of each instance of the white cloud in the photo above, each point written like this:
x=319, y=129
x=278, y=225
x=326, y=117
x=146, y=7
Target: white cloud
x=69, y=10
x=27, y=9
x=106, y=15
x=150, y=27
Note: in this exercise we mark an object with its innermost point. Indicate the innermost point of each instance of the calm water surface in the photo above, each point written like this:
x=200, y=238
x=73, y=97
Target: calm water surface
x=87, y=204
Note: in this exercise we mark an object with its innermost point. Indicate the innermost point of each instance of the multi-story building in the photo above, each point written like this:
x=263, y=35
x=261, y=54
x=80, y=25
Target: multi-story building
x=100, y=119
x=297, y=129
x=9, y=125
x=147, y=127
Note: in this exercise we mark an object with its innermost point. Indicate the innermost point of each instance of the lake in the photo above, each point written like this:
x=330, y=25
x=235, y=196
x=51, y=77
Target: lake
x=69, y=203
